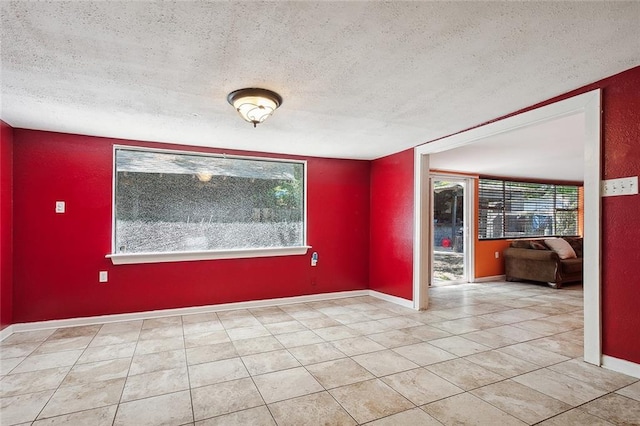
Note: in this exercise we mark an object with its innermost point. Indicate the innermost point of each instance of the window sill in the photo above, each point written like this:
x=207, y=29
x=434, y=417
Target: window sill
x=136, y=258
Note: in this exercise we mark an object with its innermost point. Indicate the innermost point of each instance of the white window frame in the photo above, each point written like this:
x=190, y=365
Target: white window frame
x=181, y=256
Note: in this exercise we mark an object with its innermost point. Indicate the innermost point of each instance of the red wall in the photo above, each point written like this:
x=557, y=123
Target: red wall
x=57, y=256
x=6, y=200
x=391, y=256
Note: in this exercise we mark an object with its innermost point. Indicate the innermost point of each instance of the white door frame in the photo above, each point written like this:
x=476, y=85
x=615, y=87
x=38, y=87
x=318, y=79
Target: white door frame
x=469, y=229
x=588, y=104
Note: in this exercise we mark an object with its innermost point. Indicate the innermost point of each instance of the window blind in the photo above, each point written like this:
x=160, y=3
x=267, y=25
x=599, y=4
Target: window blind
x=509, y=209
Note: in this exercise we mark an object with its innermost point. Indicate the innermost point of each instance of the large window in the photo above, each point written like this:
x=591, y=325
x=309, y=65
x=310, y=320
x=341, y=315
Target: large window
x=520, y=209
x=171, y=202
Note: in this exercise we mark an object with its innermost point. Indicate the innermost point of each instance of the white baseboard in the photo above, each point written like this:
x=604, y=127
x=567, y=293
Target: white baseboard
x=102, y=319
x=621, y=366
x=393, y=299
x=490, y=279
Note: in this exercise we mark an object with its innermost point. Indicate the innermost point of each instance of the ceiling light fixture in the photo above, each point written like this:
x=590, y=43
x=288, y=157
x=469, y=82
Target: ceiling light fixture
x=254, y=105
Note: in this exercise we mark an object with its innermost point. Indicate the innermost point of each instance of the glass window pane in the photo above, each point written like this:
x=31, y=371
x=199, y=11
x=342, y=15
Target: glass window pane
x=174, y=202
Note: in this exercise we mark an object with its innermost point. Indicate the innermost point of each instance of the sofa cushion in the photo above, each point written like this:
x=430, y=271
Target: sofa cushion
x=538, y=245
x=570, y=266
x=560, y=246
x=576, y=244
x=521, y=244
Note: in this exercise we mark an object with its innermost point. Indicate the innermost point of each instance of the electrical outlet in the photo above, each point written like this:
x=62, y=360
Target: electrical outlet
x=621, y=186
x=497, y=255
x=60, y=206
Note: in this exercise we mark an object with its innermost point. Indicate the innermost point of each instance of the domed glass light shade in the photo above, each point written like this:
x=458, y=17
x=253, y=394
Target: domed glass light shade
x=254, y=105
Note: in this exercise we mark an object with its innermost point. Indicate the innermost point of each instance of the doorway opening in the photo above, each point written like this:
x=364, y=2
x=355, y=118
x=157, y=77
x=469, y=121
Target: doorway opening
x=588, y=105
x=450, y=220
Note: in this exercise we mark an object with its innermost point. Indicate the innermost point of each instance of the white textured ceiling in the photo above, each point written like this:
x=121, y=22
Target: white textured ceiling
x=359, y=79
x=552, y=150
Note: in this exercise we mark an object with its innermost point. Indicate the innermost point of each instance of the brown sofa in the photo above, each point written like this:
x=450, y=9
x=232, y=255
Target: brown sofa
x=534, y=260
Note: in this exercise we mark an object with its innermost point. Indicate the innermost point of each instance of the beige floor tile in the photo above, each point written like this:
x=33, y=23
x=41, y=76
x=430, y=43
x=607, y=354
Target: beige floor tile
x=426, y=332
x=210, y=353
x=18, y=350
x=521, y=401
x=370, y=400
x=286, y=384
x=32, y=381
x=559, y=345
x=489, y=339
x=159, y=345
x=148, y=363
x=631, y=391
x=102, y=416
x=63, y=344
x=514, y=333
x=596, y=376
x=543, y=326
x=533, y=354
x=257, y=345
x=216, y=372
x=47, y=361
x=575, y=417
x=171, y=409
x=201, y=327
x=424, y=353
x=37, y=336
x=284, y=327
x=161, y=333
x=104, y=353
x=617, y=408
x=268, y=362
x=466, y=409
x=421, y=386
x=80, y=331
x=154, y=384
x=384, y=362
x=204, y=317
x=319, y=322
x=336, y=332
x=369, y=327
x=175, y=321
x=8, y=364
x=339, y=372
x=501, y=363
x=83, y=397
x=97, y=371
x=464, y=374
x=315, y=409
x=313, y=354
x=394, y=338
x=397, y=323
x=223, y=398
x=22, y=408
x=244, y=321
x=205, y=338
x=357, y=346
x=412, y=417
x=114, y=337
x=247, y=332
x=299, y=338
x=464, y=325
x=121, y=327
x=258, y=416
x=564, y=388
x=459, y=345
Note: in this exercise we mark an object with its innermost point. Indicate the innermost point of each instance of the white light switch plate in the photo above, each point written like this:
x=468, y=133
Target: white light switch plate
x=621, y=186
x=60, y=206
x=103, y=276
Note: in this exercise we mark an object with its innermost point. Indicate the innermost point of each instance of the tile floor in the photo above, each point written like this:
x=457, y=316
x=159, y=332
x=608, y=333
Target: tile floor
x=484, y=354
